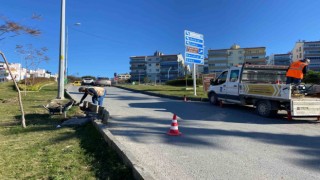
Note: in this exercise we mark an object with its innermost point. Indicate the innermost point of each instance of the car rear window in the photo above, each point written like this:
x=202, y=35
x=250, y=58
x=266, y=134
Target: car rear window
x=103, y=78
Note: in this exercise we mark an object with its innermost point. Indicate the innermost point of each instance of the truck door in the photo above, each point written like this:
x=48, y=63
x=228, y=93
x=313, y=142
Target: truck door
x=220, y=85
x=233, y=84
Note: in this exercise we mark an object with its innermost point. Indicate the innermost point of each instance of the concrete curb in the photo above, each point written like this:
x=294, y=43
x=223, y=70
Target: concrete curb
x=128, y=158
x=163, y=95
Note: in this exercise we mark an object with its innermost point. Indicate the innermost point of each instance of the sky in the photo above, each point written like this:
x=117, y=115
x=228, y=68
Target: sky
x=113, y=30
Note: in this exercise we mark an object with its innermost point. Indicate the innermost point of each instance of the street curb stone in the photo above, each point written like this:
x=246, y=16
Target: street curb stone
x=100, y=123
x=127, y=157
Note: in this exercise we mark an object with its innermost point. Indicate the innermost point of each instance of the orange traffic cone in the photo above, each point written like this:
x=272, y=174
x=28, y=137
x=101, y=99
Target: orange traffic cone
x=174, y=131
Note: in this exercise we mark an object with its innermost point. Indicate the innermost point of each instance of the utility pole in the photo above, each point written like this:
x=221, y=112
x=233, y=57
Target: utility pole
x=169, y=72
x=67, y=49
x=139, y=77
x=62, y=52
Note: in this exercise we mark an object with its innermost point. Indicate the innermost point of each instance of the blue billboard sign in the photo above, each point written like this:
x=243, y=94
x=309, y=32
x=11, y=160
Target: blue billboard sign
x=194, y=43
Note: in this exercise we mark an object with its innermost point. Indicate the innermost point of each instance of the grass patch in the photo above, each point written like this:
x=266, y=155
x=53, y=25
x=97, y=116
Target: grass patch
x=42, y=151
x=179, y=91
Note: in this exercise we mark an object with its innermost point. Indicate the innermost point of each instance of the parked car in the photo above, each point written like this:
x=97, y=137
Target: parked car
x=103, y=81
x=77, y=83
x=87, y=81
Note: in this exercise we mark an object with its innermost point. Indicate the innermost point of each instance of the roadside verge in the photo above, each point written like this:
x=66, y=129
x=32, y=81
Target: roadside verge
x=163, y=95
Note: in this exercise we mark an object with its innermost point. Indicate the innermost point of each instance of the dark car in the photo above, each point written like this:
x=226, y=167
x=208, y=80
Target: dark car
x=103, y=81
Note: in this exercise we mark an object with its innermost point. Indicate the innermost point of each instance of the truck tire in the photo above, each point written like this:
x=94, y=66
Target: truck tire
x=263, y=108
x=213, y=99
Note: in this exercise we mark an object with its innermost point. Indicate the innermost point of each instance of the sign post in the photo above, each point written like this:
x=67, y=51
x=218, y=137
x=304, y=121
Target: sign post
x=194, y=52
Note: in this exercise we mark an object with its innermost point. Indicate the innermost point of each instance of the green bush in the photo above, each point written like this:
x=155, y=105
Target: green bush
x=182, y=82
x=33, y=81
x=34, y=84
x=312, y=77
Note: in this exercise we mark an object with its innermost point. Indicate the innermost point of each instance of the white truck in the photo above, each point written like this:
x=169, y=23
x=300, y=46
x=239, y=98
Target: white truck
x=264, y=87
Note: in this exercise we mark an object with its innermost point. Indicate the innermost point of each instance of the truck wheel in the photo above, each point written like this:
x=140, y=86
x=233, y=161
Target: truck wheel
x=213, y=99
x=263, y=108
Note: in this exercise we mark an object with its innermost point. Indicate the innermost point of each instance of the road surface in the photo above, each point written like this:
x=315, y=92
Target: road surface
x=216, y=143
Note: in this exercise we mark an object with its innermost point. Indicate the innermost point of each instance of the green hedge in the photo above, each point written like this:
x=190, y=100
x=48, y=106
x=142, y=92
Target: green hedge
x=312, y=77
x=182, y=82
x=34, y=84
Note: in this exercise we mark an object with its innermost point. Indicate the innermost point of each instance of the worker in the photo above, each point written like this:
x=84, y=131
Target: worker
x=296, y=71
x=97, y=93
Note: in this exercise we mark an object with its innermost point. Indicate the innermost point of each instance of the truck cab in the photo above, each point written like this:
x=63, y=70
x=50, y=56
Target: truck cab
x=226, y=86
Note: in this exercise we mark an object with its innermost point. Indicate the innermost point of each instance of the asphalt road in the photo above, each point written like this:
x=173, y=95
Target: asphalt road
x=216, y=143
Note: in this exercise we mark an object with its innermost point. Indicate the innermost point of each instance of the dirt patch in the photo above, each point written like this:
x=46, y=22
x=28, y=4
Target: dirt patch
x=9, y=101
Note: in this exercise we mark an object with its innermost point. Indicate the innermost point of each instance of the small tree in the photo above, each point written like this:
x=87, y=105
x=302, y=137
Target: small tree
x=146, y=80
x=23, y=120
x=312, y=77
x=11, y=28
x=32, y=56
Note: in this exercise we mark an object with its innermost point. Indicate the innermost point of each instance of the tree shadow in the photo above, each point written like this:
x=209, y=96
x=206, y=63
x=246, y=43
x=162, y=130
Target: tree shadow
x=104, y=162
x=229, y=113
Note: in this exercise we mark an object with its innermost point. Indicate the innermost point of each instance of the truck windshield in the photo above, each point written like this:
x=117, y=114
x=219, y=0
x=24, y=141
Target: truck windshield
x=221, y=79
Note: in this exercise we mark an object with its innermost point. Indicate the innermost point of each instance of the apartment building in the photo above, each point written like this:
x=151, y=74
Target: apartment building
x=220, y=59
x=16, y=69
x=310, y=50
x=255, y=55
x=137, y=68
x=20, y=73
x=280, y=59
x=125, y=76
x=153, y=66
x=171, y=67
x=157, y=67
x=203, y=68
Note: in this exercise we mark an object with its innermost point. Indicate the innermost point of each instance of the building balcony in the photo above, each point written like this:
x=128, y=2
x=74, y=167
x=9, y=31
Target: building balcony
x=137, y=62
x=138, y=68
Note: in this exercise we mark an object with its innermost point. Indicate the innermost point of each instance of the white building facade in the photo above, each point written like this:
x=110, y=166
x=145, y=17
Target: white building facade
x=310, y=50
x=20, y=73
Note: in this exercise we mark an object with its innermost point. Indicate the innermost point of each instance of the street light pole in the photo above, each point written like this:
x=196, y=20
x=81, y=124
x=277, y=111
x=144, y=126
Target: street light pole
x=62, y=52
x=168, y=72
x=66, y=62
x=67, y=49
x=139, y=77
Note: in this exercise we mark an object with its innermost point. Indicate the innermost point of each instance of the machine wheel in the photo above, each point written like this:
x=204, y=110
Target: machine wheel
x=263, y=108
x=213, y=99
